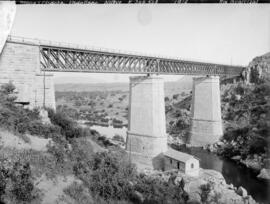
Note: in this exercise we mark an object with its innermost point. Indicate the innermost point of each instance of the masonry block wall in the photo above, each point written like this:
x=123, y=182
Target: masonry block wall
x=146, y=137
x=20, y=64
x=206, y=122
x=44, y=90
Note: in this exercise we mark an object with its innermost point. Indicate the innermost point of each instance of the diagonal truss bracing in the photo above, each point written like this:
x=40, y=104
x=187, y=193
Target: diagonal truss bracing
x=62, y=59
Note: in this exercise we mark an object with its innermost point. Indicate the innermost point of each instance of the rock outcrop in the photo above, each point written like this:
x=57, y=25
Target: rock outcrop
x=264, y=174
x=253, y=161
x=241, y=191
x=258, y=69
x=43, y=114
x=219, y=191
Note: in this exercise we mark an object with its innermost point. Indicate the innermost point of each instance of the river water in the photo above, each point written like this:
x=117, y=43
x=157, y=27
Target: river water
x=234, y=173
x=110, y=131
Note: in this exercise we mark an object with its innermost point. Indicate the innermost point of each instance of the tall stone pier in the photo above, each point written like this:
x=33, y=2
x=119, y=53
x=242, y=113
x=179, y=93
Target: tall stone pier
x=206, y=123
x=146, y=136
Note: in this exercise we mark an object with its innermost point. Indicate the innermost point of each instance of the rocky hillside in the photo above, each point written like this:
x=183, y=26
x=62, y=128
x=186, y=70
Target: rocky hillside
x=245, y=114
x=258, y=69
x=45, y=157
x=209, y=187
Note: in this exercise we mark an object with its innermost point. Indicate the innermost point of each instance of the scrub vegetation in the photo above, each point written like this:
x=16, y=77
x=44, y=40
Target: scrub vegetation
x=103, y=173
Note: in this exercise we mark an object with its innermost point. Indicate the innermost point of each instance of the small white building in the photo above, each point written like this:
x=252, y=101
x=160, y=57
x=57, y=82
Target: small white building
x=186, y=163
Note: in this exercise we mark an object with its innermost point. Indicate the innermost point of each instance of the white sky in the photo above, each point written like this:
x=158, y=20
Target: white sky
x=220, y=33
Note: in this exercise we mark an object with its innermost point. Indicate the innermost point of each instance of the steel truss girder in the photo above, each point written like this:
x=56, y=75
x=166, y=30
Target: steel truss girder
x=59, y=59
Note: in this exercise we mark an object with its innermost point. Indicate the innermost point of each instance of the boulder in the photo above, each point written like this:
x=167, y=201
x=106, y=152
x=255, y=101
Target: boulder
x=211, y=148
x=264, y=174
x=220, y=143
x=137, y=197
x=242, y=192
x=231, y=187
x=131, y=183
x=238, y=97
x=254, y=129
x=254, y=164
x=43, y=114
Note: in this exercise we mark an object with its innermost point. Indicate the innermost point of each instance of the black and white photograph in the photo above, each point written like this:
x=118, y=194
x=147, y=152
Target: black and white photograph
x=135, y=102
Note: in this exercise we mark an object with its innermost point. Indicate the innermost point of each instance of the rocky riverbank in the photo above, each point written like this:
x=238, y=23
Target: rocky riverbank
x=210, y=186
x=257, y=162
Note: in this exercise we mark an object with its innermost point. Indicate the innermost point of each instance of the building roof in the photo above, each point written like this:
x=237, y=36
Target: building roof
x=180, y=156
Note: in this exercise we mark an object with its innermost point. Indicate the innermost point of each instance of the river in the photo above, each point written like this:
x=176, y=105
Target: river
x=110, y=131
x=234, y=173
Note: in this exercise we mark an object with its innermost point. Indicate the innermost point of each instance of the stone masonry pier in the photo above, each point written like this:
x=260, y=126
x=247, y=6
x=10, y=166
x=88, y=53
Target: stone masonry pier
x=146, y=136
x=206, y=124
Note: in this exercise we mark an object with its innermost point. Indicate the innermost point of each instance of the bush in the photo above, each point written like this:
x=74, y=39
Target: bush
x=16, y=182
x=71, y=112
x=104, y=141
x=36, y=127
x=245, y=108
x=111, y=176
x=107, y=174
x=116, y=121
x=156, y=190
x=205, y=190
x=7, y=95
x=58, y=151
x=118, y=138
x=13, y=117
x=67, y=126
x=79, y=194
x=175, y=96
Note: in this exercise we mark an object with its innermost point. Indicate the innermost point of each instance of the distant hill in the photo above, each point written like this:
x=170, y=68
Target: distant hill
x=176, y=87
x=86, y=79
x=184, y=84
x=84, y=87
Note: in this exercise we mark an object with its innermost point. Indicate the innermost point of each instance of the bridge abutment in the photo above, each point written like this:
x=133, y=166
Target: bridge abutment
x=20, y=64
x=206, y=122
x=146, y=136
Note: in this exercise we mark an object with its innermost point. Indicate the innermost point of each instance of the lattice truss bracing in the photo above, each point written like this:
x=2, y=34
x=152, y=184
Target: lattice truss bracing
x=78, y=60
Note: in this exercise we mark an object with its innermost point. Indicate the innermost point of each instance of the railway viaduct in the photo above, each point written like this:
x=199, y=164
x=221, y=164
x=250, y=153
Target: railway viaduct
x=29, y=65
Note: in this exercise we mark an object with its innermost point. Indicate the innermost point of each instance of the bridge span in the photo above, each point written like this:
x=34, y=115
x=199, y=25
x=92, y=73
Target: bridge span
x=28, y=63
x=64, y=57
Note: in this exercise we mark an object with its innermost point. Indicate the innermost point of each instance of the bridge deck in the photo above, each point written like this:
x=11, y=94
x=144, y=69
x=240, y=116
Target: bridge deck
x=63, y=57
